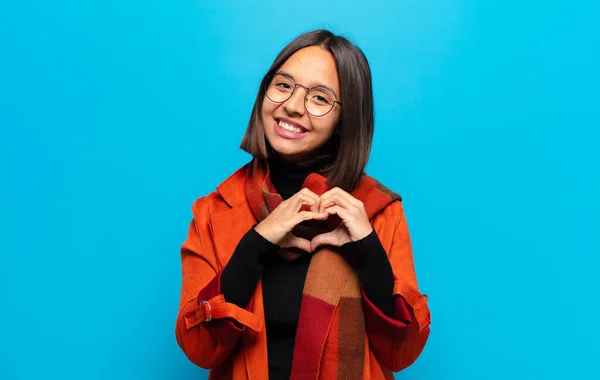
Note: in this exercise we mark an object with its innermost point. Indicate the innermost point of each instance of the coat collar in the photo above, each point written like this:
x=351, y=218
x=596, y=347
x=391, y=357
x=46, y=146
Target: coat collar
x=232, y=189
x=371, y=192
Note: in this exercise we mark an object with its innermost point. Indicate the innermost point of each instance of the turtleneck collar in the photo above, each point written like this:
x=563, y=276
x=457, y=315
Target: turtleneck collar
x=288, y=177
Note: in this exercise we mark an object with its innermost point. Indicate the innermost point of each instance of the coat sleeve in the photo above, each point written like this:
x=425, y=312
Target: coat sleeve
x=398, y=341
x=207, y=328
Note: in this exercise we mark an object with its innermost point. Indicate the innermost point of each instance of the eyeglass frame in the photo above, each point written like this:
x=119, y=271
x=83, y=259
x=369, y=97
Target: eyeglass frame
x=268, y=83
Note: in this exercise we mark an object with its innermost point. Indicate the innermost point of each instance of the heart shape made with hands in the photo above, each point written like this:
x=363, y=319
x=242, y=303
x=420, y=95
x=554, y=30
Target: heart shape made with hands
x=310, y=229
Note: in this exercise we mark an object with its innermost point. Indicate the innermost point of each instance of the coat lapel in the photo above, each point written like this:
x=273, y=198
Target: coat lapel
x=227, y=229
x=229, y=224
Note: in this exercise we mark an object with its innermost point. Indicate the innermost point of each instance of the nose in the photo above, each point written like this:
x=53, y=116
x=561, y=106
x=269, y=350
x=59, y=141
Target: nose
x=295, y=104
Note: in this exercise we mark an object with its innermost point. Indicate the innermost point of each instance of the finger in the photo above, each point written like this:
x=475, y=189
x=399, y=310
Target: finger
x=343, y=194
x=323, y=239
x=296, y=202
x=338, y=199
x=308, y=215
x=301, y=243
x=306, y=192
x=312, y=195
x=341, y=212
x=302, y=198
x=338, y=191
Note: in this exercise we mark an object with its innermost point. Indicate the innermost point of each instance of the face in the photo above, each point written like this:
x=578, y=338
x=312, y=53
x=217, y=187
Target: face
x=292, y=132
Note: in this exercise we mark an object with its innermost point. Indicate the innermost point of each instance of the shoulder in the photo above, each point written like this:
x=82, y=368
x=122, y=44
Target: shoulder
x=392, y=210
x=228, y=194
x=387, y=221
x=376, y=185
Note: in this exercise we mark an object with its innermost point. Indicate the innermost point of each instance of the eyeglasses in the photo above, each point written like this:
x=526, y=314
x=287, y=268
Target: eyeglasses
x=318, y=101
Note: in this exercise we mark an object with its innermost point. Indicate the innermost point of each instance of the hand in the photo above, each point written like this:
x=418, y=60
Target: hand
x=277, y=227
x=355, y=222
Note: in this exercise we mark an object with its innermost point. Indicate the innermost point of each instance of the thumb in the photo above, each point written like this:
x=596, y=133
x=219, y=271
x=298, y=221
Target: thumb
x=324, y=239
x=296, y=242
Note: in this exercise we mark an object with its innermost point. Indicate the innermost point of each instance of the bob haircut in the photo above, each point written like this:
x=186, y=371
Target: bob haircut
x=350, y=144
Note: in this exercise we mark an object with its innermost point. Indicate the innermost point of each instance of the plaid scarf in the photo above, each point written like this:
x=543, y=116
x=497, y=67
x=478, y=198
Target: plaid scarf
x=330, y=338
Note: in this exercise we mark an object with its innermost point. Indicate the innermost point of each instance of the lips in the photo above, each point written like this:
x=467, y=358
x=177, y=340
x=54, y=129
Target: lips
x=289, y=129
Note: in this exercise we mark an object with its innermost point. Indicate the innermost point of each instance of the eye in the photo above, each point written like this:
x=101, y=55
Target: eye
x=321, y=99
x=283, y=85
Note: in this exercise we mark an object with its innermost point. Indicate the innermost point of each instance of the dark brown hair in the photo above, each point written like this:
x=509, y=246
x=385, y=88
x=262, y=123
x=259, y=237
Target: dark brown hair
x=350, y=144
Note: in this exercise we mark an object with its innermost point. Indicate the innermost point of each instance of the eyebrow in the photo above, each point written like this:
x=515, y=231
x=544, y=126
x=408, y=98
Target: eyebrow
x=284, y=73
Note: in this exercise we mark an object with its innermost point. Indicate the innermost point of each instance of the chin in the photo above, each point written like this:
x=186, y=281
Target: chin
x=288, y=154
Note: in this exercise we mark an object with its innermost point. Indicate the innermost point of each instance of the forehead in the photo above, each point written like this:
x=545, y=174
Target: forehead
x=311, y=66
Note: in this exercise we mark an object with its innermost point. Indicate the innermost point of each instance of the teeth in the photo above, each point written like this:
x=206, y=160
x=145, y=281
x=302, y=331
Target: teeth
x=289, y=127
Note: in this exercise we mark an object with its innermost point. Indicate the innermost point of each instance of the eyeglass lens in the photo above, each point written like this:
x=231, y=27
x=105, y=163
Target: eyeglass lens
x=318, y=101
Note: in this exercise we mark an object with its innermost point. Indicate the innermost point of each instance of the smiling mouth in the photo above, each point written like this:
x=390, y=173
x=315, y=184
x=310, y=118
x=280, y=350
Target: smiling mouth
x=290, y=127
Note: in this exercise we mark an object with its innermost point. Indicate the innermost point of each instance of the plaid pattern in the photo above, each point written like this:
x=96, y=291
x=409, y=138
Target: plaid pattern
x=331, y=338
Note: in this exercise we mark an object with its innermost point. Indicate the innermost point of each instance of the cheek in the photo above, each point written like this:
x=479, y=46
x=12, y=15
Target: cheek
x=326, y=125
x=268, y=108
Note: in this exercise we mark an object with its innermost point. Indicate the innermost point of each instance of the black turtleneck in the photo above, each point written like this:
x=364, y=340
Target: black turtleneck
x=288, y=178
x=283, y=280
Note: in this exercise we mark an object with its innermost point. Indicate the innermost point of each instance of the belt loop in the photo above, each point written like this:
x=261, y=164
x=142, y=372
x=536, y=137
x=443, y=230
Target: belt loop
x=209, y=310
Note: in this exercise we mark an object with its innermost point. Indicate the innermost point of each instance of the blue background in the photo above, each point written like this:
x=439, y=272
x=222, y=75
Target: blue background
x=115, y=116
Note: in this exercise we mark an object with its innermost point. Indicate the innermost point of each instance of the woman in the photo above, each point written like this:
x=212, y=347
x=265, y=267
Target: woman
x=300, y=265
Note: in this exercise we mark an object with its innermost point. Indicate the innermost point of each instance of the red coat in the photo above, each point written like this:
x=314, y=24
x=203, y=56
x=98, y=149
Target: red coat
x=239, y=351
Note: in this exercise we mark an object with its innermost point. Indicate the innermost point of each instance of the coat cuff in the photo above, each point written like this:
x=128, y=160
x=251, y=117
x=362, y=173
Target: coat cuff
x=378, y=323
x=225, y=321
x=416, y=301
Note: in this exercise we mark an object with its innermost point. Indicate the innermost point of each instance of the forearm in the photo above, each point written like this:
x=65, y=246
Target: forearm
x=244, y=269
x=368, y=257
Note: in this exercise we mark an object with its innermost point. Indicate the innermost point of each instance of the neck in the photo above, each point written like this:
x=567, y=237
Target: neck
x=288, y=177
x=323, y=156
